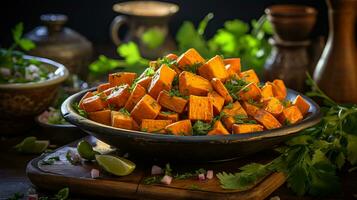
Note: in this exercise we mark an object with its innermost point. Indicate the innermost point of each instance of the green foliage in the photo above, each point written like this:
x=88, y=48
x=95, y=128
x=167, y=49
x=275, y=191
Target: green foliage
x=310, y=160
x=201, y=128
x=153, y=37
x=23, y=43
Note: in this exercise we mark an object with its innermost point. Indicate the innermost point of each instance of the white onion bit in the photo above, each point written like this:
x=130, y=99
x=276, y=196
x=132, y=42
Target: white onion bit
x=32, y=197
x=156, y=170
x=201, y=177
x=166, y=180
x=209, y=174
x=94, y=173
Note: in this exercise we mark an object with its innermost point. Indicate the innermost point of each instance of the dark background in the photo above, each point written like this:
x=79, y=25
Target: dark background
x=92, y=17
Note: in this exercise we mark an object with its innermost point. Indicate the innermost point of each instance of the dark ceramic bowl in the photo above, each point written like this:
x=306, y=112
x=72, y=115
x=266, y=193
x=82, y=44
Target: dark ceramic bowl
x=21, y=102
x=188, y=148
x=292, y=22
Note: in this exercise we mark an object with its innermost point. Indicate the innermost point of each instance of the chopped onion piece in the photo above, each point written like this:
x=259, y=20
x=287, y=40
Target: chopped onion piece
x=166, y=180
x=155, y=170
x=209, y=174
x=32, y=197
x=201, y=177
x=94, y=173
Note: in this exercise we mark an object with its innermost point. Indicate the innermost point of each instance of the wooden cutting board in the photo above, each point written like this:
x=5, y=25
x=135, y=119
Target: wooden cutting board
x=78, y=179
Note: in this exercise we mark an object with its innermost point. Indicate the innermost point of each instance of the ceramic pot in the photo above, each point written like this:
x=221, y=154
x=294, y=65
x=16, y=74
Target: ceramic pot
x=145, y=18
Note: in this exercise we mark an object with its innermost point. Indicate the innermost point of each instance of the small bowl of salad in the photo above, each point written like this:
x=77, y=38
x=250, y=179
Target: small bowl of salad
x=28, y=86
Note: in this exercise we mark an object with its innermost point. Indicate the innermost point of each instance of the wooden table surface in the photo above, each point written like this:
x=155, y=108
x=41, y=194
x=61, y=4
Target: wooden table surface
x=13, y=176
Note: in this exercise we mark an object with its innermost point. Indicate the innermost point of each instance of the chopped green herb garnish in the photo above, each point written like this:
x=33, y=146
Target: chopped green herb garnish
x=80, y=111
x=50, y=161
x=201, y=128
x=243, y=119
x=234, y=86
x=176, y=92
x=229, y=106
x=255, y=103
x=124, y=111
x=193, y=68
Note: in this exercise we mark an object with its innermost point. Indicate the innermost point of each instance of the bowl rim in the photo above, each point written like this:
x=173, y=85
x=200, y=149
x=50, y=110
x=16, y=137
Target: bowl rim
x=69, y=114
x=61, y=74
x=172, y=8
x=48, y=125
x=274, y=10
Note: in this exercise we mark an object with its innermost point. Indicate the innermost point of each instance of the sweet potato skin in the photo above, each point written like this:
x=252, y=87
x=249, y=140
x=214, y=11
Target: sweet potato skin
x=120, y=78
x=246, y=128
x=92, y=104
x=120, y=120
x=218, y=129
x=145, y=82
x=154, y=126
x=161, y=80
x=233, y=65
x=87, y=95
x=146, y=108
x=135, y=96
x=119, y=96
x=174, y=117
x=217, y=101
x=190, y=57
x=273, y=106
x=102, y=116
x=103, y=86
x=250, y=91
x=302, y=104
x=183, y=127
x=219, y=87
x=176, y=104
x=266, y=119
x=290, y=115
x=192, y=84
x=200, y=108
x=213, y=68
x=250, y=108
x=249, y=76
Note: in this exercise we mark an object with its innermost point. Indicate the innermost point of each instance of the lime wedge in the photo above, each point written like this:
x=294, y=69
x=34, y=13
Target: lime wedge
x=39, y=146
x=85, y=150
x=26, y=143
x=115, y=165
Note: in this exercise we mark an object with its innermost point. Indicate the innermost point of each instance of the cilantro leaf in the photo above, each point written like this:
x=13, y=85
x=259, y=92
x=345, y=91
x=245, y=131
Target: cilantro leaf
x=153, y=37
x=201, y=128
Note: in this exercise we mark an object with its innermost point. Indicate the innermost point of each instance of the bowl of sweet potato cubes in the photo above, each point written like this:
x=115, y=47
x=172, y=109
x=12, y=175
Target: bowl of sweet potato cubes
x=189, y=108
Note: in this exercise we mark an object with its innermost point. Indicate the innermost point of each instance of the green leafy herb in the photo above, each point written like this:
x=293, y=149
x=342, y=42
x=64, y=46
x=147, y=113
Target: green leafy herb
x=153, y=37
x=243, y=119
x=152, y=180
x=193, y=187
x=50, y=161
x=201, y=128
x=16, y=196
x=124, y=111
x=234, y=86
x=17, y=33
x=176, y=92
x=193, y=68
x=255, y=103
x=80, y=111
x=62, y=194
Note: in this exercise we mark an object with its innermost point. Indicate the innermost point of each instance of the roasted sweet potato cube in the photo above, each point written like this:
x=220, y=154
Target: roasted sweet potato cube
x=94, y=103
x=250, y=91
x=218, y=129
x=122, y=120
x=266, y=119
x=146, y=108
x=213, y=68
x=217, y=101
x=246, y=128
x=233, y=65
x=87, y=95
x=222, y=90
x=279, y=89
x=102, y=116
x=273, y=106
x=174, y=117
x=174, y=103
x=190, y=57
x=250, y=108
x=302, y=104
x=249, y=76
x=267, y=91
x=154, y=125
x=290, y=115
x=183, y=127
x=145, y=82
x=228, y=122
x=119, y=96
x=192, y=84
x=121, y=78
x=200, y=108
x=230, y=111
x=135, y=96
x=103, y=87
x=108, y=91
x=161, y=80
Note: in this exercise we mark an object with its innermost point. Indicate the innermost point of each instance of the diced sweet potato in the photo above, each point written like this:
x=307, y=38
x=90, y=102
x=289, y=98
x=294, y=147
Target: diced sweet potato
x=273, y=106
x=266, y=119
x=192, y=84
x=171, y=56
x=183, y=127
x=290, y=115
x=219, y=87
x=250, y=108
x=121, y=120
x=213, y=68
x=146, y=108
x=161, y=80
x=190, y=57
x=279, y=89
x=217, y=101
x=228, y=122
x=176, y=104
x=267, y=91
x=250, y=76
x=218, y=129
x=135, y=96
x=121, y=78
x=92, y=104
x=108, y=91
x=87, y=95
x=302, y=104
x=145, y=82
x=154, y=126
x=119, y=96
x=200, y=108
x=103, y=87
x=103, y=117
x=230, y=111
x=250, y=91
x=233, y=65
x=174, y=117
x=246, y=128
